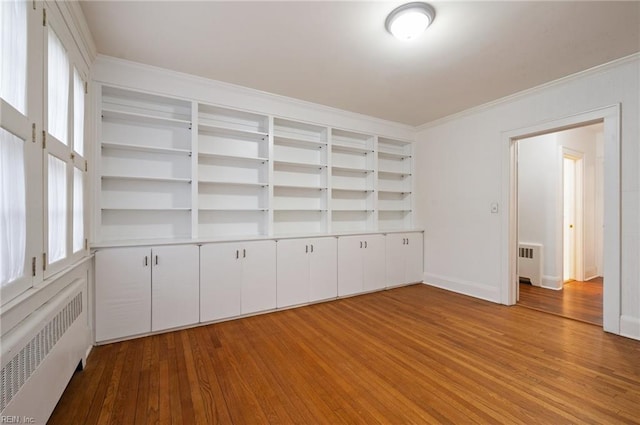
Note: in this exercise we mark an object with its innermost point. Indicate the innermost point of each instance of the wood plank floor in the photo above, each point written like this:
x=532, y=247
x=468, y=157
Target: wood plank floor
x=409, y=355
x=577, y=300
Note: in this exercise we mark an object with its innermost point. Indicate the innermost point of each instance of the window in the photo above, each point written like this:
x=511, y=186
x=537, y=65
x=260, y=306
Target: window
x=42, y=168
x=13, y=68
x=13, y=215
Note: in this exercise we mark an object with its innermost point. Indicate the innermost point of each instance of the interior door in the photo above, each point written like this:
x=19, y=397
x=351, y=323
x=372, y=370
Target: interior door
x=569, y=219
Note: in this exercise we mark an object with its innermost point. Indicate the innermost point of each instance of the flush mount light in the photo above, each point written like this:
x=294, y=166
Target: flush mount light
x=408, y=21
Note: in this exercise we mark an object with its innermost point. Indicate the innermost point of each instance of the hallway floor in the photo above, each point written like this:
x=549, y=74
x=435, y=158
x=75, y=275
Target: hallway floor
x=578, y=300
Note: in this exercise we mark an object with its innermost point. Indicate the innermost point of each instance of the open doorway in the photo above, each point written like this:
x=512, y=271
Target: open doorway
x=560, y=222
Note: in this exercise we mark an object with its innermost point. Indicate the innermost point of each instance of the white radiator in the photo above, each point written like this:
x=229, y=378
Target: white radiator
x=530, y=263
x=40, y=355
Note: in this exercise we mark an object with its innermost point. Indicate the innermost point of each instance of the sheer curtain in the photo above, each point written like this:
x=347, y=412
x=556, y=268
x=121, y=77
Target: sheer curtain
x=57, y=209
x=78, y=113
x=13, y=214
x=58, y=106
x=13, y=53
x=78, y=210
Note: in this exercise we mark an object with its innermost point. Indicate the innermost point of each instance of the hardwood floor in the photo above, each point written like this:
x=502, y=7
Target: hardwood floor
x=577, y=300
x=409, y=355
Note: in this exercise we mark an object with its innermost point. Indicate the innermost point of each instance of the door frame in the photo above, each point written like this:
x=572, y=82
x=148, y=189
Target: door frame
x=610, y=115
x=578, y=158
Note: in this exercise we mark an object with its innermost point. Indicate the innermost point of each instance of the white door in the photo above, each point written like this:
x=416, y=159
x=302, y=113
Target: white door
x=220, y=281
x=395, y=256
x=414, y=257
x=258, y=276
x=350, y=265
x=374, y=265
x=569, y=219
x=174, y=286
x=292, y=272
x=323, y=269
x=123, y=292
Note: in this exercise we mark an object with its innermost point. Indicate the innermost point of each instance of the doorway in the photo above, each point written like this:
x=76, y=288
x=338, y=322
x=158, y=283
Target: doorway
x=609, y=118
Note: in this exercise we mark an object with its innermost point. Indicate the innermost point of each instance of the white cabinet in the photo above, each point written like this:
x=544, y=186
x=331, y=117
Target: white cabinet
x=361, y=264
x=139, y=290
x=307, y=270
x=237, y=278
x=404, y=258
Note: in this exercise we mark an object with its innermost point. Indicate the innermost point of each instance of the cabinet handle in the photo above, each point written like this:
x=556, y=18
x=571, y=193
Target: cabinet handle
x=306, y=249
x=146, y=261
x=360, y=244
x=407, y=241
x=312, y=248
x=365, y=244
x=156, y=260
x=237, y=254
x=244, y=253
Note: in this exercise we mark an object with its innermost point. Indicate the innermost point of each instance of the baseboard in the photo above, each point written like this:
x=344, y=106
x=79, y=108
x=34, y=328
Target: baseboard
x=552, y=282
x=472, y=289
x=630, y=327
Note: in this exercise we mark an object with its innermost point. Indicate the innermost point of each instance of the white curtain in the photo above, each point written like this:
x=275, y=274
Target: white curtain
x=78, y=210
x=58, y=80
x=13, y=53
x=13, y=214
x=78, y=113
x=57, y=209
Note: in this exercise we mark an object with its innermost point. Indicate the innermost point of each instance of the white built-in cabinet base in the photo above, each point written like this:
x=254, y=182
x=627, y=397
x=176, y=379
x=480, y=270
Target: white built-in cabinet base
x=143, y=290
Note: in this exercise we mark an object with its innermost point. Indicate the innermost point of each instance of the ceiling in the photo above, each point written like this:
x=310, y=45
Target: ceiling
x=339, y=54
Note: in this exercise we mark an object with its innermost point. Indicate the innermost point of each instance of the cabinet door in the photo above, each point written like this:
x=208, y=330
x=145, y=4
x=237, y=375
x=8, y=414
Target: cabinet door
x=123, y=292
x=414, y=270
x=174, y=287
x=258, y=276
x=396, y=258
x=292, y=272
x=374, y=267
x=220, y=281
x=350, y=265
x=323, y=269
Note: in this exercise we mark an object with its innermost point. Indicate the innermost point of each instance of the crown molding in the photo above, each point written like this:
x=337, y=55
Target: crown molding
x=598, y=69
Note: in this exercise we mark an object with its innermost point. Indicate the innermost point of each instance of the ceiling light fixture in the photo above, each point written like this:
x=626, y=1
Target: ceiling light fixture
x=408, y=21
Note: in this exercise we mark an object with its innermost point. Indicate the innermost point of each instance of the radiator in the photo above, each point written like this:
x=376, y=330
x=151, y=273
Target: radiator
x=39, y=356
x=530, y=263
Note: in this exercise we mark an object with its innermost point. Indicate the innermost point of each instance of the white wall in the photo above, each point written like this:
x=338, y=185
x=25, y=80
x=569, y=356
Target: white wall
x=459, y=174
x=540, y=203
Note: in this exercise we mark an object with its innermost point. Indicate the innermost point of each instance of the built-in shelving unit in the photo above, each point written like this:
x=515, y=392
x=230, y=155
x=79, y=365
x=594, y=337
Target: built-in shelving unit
x=352, y=181
x=177, y=169
x=300, y=176
x=145, y=167
x=233, y=171
x=394, y=184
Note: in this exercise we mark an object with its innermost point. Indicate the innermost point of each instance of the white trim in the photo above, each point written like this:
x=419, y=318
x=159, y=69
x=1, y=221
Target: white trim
x=612, y=237
x=464, y=287
x=552, y=282
x=630, y=327
x=598, y=69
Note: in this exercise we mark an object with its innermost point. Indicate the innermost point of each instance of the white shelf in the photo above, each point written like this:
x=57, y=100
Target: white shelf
x=289, y=164
x=234, y=209
x=232, y=157
x=293, y=186
x=144, y=209
x=352, y=210
x=226, y=183
x=392, y=210
x=352, y=170
x=301, y=209
x=395, y=192
x=216, y=129
x=143, y=148
x=298, y=142
x=351, y=149
x=393, y=155
x=397, y=174
x=138, y=118
x=146, y=178
x=342, y=189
